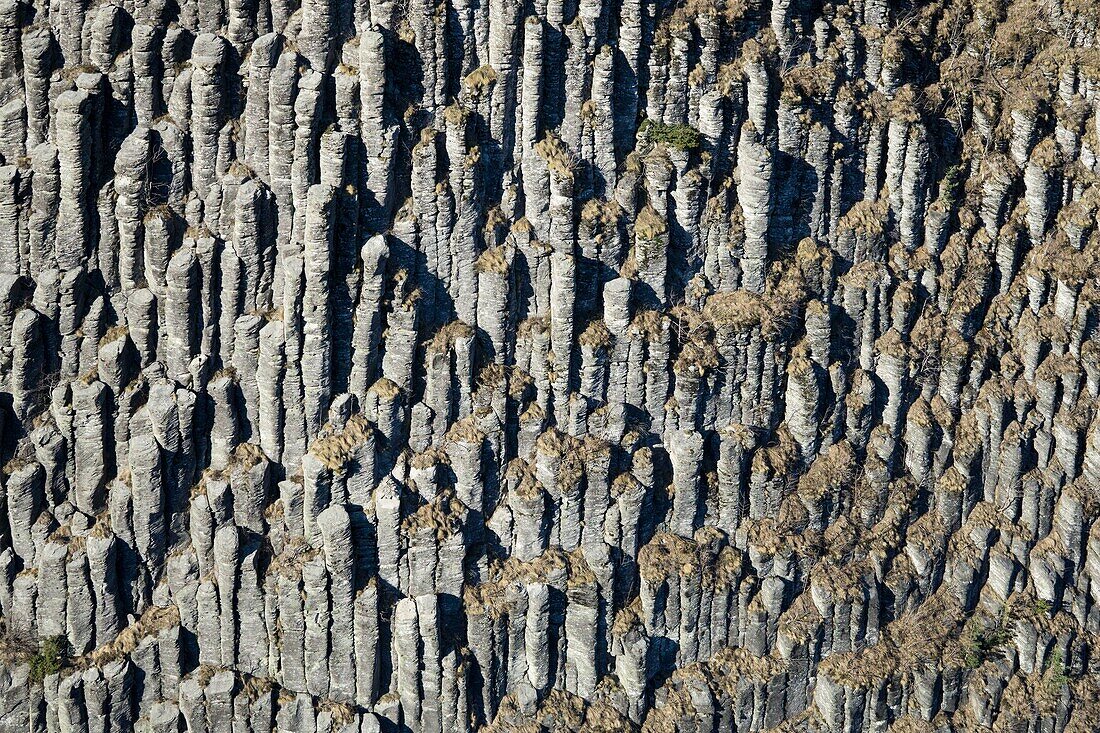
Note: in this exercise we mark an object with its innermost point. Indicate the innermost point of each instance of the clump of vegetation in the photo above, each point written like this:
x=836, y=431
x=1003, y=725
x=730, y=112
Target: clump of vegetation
x=52, y=656
x=1056, y=677
x=949, y=187
x=684, y=137
x=984, y=643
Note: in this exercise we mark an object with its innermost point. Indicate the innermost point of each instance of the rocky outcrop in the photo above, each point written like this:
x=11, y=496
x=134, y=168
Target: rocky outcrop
x=645, y=366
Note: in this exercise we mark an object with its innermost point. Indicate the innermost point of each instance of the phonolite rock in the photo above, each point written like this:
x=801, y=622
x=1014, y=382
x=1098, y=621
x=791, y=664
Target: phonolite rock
x=654, y=365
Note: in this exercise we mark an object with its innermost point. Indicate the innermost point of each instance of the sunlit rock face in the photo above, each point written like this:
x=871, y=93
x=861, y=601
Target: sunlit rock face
x=418, y=366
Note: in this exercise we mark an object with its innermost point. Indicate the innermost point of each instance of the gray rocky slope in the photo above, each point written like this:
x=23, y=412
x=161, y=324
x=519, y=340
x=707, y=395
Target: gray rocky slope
x=424, y=365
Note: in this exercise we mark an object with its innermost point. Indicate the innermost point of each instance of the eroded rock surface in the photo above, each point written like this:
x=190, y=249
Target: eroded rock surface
x=424, y=365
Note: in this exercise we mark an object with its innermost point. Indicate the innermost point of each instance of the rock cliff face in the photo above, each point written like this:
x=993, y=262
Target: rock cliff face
x=425, y=365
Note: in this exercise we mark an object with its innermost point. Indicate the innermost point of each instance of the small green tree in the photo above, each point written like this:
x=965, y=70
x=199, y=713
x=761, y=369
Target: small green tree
x=1056, y=677
x=52, y=655
x=951, y=184
x=984, y=642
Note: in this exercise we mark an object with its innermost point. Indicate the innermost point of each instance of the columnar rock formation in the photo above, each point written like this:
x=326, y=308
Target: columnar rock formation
x=655, y=365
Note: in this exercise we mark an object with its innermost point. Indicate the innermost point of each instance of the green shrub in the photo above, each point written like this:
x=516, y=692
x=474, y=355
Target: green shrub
x=952, y=182
x=684, y=137
x=982, y=644
x=1056, y=677
x=52, y=655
